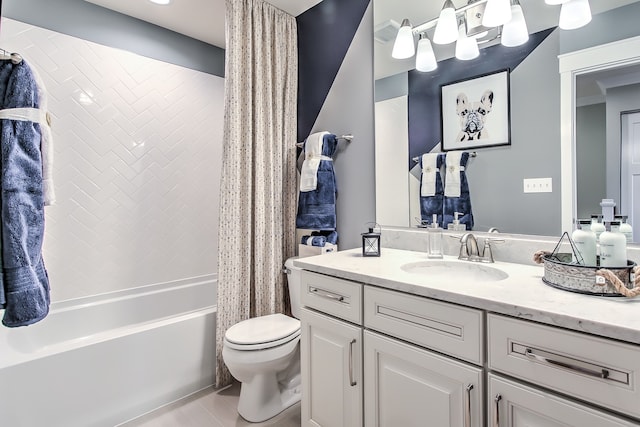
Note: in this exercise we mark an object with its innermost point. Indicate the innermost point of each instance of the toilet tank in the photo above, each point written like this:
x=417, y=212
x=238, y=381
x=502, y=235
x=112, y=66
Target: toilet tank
x=294, y=282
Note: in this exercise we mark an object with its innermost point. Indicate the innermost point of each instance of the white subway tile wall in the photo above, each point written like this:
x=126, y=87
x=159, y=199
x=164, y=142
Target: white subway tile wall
x=138, y=150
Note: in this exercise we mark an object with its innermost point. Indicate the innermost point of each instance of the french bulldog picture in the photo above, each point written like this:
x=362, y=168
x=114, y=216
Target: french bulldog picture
x=473, y=116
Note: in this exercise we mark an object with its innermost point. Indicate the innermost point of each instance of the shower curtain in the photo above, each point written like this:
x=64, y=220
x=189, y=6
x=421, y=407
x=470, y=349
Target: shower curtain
x=258, y=185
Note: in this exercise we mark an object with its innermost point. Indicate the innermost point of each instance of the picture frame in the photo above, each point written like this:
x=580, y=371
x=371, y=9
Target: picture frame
x=476, y=112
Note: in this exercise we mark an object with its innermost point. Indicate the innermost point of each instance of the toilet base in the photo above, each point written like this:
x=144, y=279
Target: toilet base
x=264, y=397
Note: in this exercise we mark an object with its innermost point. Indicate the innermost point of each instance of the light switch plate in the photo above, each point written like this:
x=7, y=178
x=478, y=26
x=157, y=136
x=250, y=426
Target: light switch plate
x=538, y=185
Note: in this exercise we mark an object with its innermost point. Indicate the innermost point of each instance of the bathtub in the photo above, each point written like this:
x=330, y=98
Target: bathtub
x=102, y=360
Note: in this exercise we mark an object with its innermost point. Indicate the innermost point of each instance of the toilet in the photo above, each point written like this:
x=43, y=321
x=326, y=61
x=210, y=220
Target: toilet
x=263, y=353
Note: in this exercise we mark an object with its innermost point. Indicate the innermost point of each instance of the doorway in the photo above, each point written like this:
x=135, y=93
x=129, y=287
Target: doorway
x=630, y=170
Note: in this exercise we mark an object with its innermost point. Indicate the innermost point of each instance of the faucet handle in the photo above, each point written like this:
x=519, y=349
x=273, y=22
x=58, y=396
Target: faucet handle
x=487, y=252
x=492, y=240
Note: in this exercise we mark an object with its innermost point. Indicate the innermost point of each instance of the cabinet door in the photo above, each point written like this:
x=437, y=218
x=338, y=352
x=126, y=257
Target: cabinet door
x=331, y=365
x=516, y=405
x=409, y=386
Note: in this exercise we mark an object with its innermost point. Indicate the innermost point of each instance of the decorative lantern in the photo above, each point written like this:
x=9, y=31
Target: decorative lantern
x=371, y=241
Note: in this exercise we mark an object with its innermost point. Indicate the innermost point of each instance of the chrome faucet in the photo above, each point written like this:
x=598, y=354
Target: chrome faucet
x=469, y=250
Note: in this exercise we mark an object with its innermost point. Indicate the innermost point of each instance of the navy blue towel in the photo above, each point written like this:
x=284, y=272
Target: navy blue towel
x=317, y=208
x=330, y=236
x=460, y=204
x=318, y=241
x=431, y=205
x=24, y=293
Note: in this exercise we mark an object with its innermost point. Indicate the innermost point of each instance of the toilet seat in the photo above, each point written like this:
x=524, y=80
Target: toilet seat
x=260, y=333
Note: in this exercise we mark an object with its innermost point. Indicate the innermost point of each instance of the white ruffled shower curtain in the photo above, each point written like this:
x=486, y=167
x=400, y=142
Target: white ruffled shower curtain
x=258, y=185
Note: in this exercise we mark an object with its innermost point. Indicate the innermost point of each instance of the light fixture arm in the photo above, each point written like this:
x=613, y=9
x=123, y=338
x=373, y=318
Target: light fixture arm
x=432, y=23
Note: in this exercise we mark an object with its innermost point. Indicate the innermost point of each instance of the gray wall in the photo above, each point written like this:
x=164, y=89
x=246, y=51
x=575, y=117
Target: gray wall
x=496, y=175
x=88, y=21
x=392, y=86
x=590, y=158
x=348, y=108
x=616, y=24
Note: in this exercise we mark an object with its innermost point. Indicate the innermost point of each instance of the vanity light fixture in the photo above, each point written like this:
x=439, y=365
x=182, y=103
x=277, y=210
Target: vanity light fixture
x=425, y=58
x=161, y=2
x=502, y=19
x=447, y=27
x=574, y=14
x=496, y=13
x=466, y=47
x=515, y=32
x=404, y=46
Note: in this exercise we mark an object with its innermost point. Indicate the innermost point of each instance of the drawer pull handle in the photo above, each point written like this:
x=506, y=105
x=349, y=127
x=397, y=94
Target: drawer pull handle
x=328, y=295
x=467, y=414
x=351, y=381
x=564, y=363
x=496, y=410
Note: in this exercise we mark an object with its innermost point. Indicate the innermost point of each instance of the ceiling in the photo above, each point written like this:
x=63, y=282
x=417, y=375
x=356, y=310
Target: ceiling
x=200, y=19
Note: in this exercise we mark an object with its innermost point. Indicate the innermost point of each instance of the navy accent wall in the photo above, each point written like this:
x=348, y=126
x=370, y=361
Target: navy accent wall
x=325, y=33
x=424, y=88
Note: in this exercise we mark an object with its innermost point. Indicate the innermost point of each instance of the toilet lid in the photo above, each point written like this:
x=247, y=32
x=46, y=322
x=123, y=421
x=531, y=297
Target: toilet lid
x=263, y=329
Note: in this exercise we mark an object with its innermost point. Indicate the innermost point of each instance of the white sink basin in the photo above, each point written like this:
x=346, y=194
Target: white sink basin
x=455, y=271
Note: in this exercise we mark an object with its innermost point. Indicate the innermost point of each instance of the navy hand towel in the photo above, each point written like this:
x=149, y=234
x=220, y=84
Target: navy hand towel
x=24, y=293
x=317, y=208
x=461, y=203
x=430, y=205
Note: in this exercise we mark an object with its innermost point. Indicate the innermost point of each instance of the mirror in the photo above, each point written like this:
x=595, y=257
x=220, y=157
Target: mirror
x=614, y=69
x=497, y=174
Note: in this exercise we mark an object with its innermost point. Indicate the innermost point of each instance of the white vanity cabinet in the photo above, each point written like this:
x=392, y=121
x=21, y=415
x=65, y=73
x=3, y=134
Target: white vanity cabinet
x=331, y=351
x=405, y=384
x=331, y=357
x=592, y=373
x=420, y=351
x=379, y=357
x=411, y=387
x=517, y=405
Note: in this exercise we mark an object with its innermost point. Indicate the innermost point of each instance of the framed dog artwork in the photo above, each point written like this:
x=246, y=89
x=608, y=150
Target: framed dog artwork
x=475, y=113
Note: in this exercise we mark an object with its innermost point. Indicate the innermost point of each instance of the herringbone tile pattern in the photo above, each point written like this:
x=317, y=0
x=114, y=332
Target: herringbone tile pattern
x=138, y=146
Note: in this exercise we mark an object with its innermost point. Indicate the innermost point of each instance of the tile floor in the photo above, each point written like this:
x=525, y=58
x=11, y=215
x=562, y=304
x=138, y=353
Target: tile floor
x=211, y=408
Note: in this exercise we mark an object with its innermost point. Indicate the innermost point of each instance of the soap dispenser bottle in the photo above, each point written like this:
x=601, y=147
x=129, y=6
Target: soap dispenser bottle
x=585, y=241
x=597, y=226
x=625, y=227
x=455, y=225
x=435, y=239
x=613, y=247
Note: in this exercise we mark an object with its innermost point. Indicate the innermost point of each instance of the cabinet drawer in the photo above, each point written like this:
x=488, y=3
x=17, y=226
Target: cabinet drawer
x=597, y=370
x=448, y=328
x=512, y=404
x=337, y=297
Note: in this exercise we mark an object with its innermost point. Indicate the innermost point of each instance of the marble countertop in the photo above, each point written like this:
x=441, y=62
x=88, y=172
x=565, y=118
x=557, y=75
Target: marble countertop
x=522, y=294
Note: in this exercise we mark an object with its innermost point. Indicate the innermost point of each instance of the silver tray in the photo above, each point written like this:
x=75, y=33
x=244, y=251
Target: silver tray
x=561, y=273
